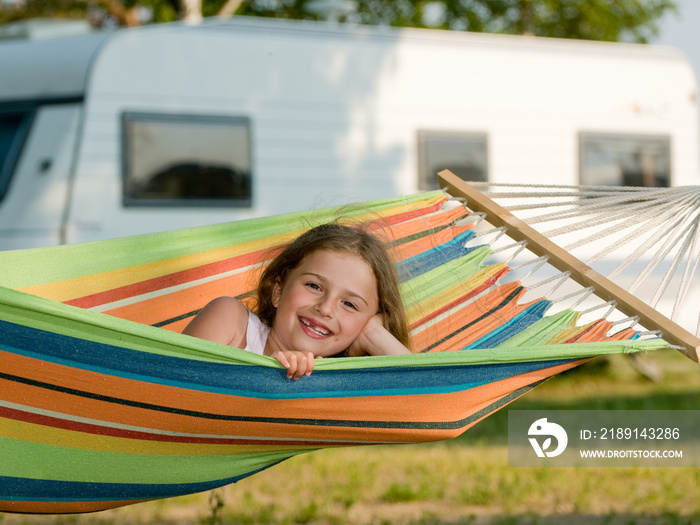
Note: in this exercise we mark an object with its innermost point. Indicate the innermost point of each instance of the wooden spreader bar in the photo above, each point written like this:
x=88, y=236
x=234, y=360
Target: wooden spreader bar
x=563, y=261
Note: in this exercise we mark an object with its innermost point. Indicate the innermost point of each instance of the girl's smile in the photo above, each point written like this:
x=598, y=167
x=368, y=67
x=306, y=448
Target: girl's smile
x=324, y=304
x=314, y=329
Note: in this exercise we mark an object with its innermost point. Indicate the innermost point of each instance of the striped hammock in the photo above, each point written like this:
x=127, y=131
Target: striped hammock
x=104, y=403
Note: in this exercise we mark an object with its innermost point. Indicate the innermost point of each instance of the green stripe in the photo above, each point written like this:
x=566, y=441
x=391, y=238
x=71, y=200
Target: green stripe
x=543, y=330
x=429, y=284
x=50, y=316
x=62, y=463
x=43, y=314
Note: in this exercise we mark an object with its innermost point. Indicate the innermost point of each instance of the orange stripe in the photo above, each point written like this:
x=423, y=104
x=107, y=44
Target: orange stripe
x=63, y=507
x=414, y=227
x=174, y=279
x=174, y=304
x=428, y=407
x=467, y=315
x=453, y=296
x=413, y=248
x=592, y=332
x=623, y=335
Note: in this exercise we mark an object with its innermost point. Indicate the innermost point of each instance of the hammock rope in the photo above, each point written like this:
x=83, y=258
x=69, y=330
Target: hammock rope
x=104, y=403
x=651, y=234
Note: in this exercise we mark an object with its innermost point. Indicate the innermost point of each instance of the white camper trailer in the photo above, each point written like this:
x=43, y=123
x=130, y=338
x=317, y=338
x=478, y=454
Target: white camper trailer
x=166, y=126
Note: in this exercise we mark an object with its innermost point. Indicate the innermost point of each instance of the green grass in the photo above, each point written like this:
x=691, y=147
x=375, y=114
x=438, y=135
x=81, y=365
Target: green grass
x=464, y=481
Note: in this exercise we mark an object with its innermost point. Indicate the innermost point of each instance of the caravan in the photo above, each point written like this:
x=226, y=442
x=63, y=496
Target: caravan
x=110, y=134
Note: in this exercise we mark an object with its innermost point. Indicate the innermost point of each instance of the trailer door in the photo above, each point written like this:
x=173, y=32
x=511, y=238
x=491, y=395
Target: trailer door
x=37, y=144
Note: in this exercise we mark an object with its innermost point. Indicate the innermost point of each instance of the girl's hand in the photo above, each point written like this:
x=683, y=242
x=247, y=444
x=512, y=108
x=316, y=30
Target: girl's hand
x=361, y=345
x=375, y=339
x=298, y=364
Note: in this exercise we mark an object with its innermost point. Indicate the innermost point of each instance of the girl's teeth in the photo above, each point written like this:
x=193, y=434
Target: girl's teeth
x=315, y=329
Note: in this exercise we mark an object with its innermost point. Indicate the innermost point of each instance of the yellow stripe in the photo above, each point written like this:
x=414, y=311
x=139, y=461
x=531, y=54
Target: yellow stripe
x=451, y=294
x=23, y=431
x=91, y=284
x=568, y=333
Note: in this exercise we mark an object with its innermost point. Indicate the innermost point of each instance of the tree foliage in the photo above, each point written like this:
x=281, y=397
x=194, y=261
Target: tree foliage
x=611, y=20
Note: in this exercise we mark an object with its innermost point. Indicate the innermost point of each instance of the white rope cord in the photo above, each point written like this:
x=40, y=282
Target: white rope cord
x=568, y=187
x=684, y=287
x=642, y=249
x=589, y=205
x=560, y=279
x=649, y=237
x=633, y=320
x=584, y=292
x=537, y=263
x=635, y=235
x=687, y=239
x=611, y=304
x=517, y=246
x=687, y=274
x=658, y=257
x=590, y=200
x=618, y=213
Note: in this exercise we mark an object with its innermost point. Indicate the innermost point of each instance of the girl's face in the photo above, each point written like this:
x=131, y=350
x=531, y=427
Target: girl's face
x=325, y=303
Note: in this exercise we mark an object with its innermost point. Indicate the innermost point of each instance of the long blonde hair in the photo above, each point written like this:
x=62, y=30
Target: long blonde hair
x=339, y=238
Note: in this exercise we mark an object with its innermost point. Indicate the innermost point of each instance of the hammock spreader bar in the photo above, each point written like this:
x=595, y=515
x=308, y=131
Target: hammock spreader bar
x=100, y=407
x=564, y=261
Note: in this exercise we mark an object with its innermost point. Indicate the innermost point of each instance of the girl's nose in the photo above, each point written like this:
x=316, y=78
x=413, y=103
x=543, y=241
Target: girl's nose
x=325, y=307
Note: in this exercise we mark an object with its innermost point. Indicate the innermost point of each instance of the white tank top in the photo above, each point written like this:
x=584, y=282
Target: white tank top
x=256, y=334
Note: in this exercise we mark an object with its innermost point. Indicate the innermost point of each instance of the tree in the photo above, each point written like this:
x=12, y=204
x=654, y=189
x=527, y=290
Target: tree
x=611, y=20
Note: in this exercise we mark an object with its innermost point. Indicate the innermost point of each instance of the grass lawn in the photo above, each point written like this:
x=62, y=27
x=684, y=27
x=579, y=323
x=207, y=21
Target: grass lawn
x=463, y=481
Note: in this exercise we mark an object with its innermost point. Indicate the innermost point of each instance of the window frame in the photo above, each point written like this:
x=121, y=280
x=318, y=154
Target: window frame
x=127, y=117
x=607, y=135
x=425, y=135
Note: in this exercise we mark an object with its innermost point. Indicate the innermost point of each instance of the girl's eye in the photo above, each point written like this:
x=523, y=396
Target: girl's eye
x=313, y=286
x=350, y=305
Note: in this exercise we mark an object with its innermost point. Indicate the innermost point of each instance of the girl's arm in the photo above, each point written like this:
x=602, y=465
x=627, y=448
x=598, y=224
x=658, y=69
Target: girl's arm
x=376, y=340
x=223, y=320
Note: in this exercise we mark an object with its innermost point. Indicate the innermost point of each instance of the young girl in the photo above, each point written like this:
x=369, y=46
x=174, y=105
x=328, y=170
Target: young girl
x=332, y=291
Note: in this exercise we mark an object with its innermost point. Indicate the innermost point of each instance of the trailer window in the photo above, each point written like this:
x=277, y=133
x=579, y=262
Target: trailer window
x=625, y=160
x=14, y=128
x=464, y=154
x=186, y=160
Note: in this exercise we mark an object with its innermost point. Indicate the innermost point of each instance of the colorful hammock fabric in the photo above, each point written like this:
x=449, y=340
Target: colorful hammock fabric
x=104, y=403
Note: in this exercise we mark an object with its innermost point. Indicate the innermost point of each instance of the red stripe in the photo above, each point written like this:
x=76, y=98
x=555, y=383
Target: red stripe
x=486, y=284
x=63, y=507
x=580, y=335
x=215, y=268
x=158, y=283
x=385, y=222
x=89, y=428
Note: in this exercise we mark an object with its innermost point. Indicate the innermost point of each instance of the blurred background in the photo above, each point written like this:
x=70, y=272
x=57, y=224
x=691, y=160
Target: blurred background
x=124, y=117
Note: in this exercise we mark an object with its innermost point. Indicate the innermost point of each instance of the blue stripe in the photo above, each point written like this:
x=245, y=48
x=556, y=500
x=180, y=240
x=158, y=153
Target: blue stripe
x=27, y=489
x=253, y=381
x=435, y=257
x=517, y=324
